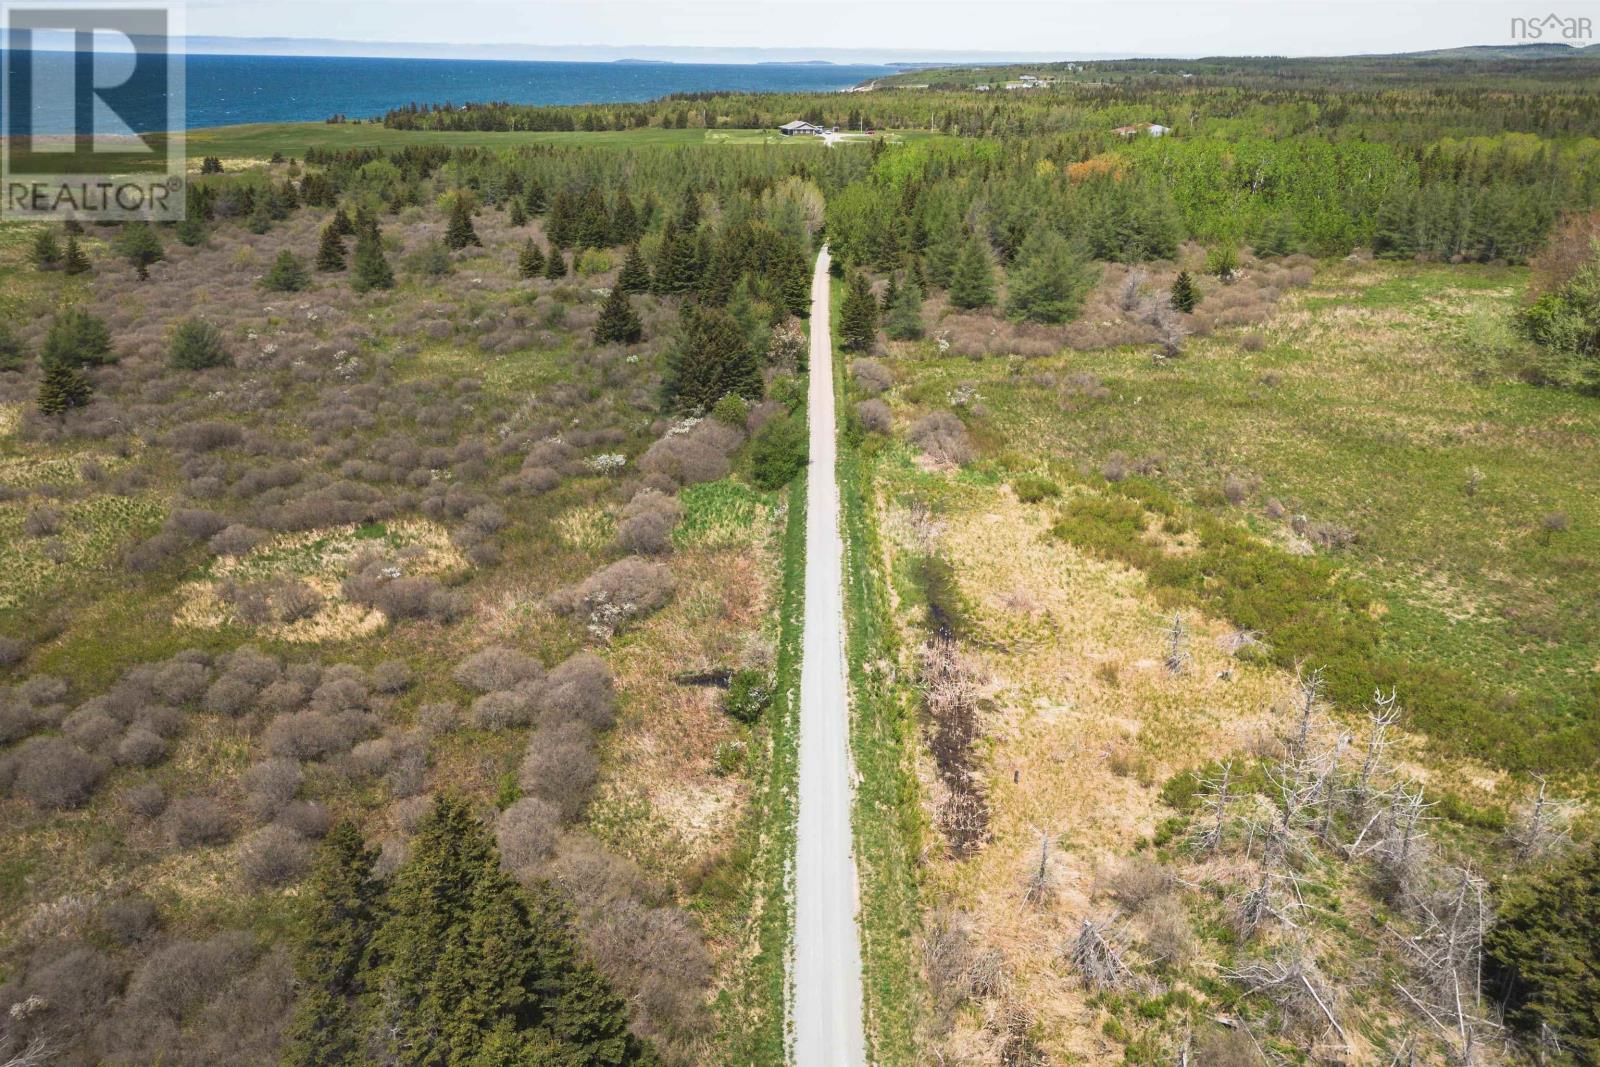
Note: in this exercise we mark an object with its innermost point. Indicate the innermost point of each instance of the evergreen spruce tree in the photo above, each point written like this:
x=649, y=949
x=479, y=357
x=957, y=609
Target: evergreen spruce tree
x=459, y=233
x=197, y=345
x=890, y=291
x=339, y=912
x=904, y=320
x=555, y=264
x=562, y=225
x=972, y=279
x=709, y=359
x=77, y=339
x=288, y=274
x=423, y=962
x=689, y=214
x=944, y=249
x=191, y=231
x=722, y=273
x=139, y=245
x=795, y=280
x=534, y=199
x=675, y=271
x=635, y=275
x=1049, y=280
x=75, y=261
x=917, y=275
x=13, y=356
x=372, y=270
x=1545, y=952
x=341, y=224
x=530, y=261
x=625, y=228
x=62, y=386
x=519, y=214
x=618, y=322
x=467, y=968
x=858, y=316
x=259, y=220
x=330, y=251
x=594, y=222
x=1185, y=296
x=46, y=249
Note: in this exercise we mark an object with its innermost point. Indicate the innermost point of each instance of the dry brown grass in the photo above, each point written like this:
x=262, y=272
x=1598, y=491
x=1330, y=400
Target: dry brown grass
x=321, y=559
x=1072, y=752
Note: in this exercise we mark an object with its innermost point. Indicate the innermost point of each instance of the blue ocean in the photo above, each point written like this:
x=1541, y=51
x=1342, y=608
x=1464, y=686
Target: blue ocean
x=228, y=90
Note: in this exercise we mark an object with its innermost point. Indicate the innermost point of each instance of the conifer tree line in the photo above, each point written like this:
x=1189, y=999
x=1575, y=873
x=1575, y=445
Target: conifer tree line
x=448, y=962
x=1371, y=98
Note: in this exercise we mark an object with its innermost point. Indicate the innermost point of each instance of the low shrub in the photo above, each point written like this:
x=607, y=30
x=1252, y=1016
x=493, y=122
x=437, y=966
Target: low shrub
x=52, y=772
x=1033, y=488
x=194, y=821
x=497, y=668
x=749, y=696
x=942, y=438
x=779, y=452
x=273, y=856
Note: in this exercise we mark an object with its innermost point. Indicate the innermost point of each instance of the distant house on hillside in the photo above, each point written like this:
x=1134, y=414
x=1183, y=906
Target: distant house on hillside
x=1151, y=129
x=801, y=127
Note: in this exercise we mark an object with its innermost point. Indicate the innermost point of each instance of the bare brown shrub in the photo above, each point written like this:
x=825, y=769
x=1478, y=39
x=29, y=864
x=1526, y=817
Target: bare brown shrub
x=942, y=438
x=874, y=416
x=498, y=668
x=560, y=767
x=527, y=833
x=647, y=523
x=193, y=821
x=613, y=597
x=273, y=856
x=579, y=689
x=52, y=772
x=871, y=377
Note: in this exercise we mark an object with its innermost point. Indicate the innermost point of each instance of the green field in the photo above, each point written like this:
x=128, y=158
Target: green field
x=262, y=139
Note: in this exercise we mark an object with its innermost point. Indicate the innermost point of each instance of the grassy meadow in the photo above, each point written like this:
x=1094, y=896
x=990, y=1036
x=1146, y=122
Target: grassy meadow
x=1357, y=439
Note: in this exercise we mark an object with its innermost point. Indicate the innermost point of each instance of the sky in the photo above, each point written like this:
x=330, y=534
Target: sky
x=894, y=27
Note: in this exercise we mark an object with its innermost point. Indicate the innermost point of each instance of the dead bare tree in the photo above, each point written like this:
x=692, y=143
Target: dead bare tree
x=1099, y=956
x=1041, y=888
x=1541, y=826
x=1177, y=657
x=1384, y=714
x=1295, y=987
x=1446, y=955
x=1327, y=789
x=38, y=1052
x=1014, y=1025
x=1216, y=798
x=1275, y=895
x=1240, y=642
x=1171, y=331
x=1308, y=702
x=1131, y=297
